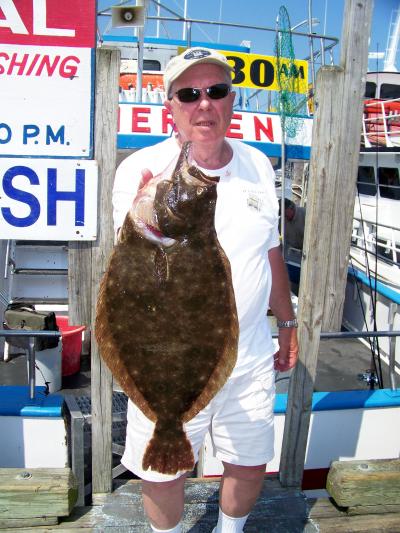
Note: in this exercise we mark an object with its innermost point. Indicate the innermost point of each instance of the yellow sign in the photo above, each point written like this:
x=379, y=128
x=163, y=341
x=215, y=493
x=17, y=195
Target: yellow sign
x=260, y=72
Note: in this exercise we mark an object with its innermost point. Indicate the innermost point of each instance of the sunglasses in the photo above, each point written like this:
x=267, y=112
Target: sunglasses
x=192, y=94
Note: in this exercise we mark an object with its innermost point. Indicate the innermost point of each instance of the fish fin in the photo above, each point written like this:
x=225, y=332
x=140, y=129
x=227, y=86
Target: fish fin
x=169, y=450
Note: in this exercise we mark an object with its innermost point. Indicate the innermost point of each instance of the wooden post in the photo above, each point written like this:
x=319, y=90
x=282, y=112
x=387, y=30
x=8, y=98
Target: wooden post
x=80, y=282
x=333, y=171
x=354, y=61
x=30, y=494
x=106, y=109
x=365, y=483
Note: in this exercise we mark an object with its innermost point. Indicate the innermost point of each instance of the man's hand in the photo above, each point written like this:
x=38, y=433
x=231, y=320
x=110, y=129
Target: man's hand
x=287, y=355
x=146, y=177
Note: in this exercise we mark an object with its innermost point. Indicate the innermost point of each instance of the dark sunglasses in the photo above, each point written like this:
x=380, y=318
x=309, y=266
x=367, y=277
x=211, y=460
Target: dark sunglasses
x=215, y=92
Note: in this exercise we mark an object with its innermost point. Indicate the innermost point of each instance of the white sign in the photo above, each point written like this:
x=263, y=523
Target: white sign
x=48, y=199
x=46, y=78
x=45, y=108
x=138, y=123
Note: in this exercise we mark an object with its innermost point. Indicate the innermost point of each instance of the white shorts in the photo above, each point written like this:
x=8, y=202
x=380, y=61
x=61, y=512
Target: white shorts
x=240, y=419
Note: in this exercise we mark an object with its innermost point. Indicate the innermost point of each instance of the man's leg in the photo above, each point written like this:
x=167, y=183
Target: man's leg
x=163, y=502
x=239, y=489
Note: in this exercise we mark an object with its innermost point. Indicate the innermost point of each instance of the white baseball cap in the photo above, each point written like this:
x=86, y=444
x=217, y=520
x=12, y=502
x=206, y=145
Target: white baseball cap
x=193, y=56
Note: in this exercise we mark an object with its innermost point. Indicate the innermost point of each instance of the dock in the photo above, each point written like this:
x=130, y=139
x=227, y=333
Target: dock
x=278, y=510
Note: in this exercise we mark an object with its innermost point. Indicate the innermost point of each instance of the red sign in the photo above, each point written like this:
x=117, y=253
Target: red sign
x=48, y=22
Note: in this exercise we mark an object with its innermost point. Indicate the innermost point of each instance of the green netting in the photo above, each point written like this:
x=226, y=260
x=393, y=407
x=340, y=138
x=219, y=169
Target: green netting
x=288, y=102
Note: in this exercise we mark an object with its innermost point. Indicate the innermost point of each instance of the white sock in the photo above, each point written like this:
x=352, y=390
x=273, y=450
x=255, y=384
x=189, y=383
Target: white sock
x=229, y=524
x=176, y=529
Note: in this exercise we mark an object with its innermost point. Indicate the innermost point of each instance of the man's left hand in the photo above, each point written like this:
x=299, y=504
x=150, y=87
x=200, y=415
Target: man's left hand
x=287, y=355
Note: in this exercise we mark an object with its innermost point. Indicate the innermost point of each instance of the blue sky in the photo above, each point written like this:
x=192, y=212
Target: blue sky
x=263, y=13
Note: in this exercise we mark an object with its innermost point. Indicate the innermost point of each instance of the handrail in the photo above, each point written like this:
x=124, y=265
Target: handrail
x=179, y=18
x=384, y=258
x=29, y=333
x=375, y=223
x=353, y=334
x=378, y=126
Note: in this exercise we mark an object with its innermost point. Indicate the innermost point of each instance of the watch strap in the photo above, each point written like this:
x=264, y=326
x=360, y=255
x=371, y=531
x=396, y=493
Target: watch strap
x=287, y=323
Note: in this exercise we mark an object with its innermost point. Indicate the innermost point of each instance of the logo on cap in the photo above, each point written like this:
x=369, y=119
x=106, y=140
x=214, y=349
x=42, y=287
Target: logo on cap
x=197, y=54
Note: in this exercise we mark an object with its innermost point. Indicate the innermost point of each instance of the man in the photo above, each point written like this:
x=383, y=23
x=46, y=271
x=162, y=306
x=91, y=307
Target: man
x=295, y=218
x=240, y=417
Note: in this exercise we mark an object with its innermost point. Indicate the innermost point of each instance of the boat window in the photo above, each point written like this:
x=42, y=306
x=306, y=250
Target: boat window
x=383, y=248
x=366, y=181
x=389, y=184
x=151, y=64
x=389, y=91
x=370, y=89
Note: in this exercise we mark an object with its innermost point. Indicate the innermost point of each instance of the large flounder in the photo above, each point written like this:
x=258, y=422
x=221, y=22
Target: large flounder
x=166, y=319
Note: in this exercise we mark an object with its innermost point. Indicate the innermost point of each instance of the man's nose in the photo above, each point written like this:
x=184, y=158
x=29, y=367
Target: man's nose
x=204, y=100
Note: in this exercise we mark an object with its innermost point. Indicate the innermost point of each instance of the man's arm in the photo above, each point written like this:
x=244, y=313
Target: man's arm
x=281, y=305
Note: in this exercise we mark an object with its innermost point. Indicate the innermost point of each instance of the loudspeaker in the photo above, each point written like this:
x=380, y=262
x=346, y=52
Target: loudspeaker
x=132, y=16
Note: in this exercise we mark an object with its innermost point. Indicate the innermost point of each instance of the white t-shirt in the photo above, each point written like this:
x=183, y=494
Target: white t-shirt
x=246, y=222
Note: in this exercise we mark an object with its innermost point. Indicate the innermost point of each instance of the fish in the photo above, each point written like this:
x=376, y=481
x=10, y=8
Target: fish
x=166, y=319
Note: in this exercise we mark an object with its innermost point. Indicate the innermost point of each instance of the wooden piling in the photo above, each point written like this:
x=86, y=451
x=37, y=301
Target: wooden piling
x=35, y=496
x=330, y=204
x=365, y=484
x=106, y=112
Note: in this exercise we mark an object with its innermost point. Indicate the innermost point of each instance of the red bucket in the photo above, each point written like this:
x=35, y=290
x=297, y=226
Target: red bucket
x=71, y=346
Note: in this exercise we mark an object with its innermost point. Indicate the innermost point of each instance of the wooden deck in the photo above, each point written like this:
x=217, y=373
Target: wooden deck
x=278, y=510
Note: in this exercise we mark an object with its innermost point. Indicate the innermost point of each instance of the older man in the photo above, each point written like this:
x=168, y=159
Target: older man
x=240, y=417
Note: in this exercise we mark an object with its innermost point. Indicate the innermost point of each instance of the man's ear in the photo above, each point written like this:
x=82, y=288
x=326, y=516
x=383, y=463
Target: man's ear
x=167, y=104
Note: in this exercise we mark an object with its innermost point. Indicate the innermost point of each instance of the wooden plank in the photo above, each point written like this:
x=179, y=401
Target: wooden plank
x=357, y=483
x=389, y=523
x=373, y=509
x=106, y=105
x=36, y=492
x=18, y=523
x=331, y=191
x=326, y=508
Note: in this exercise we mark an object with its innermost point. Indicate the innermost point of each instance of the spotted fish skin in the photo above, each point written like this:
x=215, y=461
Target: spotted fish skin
x=166, y=320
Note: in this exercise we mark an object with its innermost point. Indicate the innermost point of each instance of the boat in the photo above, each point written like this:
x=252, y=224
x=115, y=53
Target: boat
x=373, y=289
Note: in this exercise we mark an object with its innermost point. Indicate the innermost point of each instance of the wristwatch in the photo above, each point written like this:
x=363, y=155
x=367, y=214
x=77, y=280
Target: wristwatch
x=287, y=323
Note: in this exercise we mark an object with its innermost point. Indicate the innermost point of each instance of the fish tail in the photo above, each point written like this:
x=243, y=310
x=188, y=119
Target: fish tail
x=169, y=450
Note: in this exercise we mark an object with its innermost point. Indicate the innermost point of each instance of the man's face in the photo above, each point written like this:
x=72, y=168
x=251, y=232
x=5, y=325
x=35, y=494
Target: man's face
x=289, y=212
x=205, y=120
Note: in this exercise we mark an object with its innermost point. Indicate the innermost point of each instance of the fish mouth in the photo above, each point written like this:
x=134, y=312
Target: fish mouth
x=198, y=175
x=156, y=232
x=155, y=235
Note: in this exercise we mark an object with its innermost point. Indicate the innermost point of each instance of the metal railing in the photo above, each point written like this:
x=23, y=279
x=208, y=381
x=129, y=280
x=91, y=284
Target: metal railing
x=30, y=337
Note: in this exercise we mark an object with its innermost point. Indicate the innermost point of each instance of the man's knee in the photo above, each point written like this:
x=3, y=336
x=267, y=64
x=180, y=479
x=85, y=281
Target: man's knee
x=244, y=473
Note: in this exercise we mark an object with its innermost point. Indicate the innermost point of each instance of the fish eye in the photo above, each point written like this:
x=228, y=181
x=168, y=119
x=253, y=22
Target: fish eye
x=200, y=190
